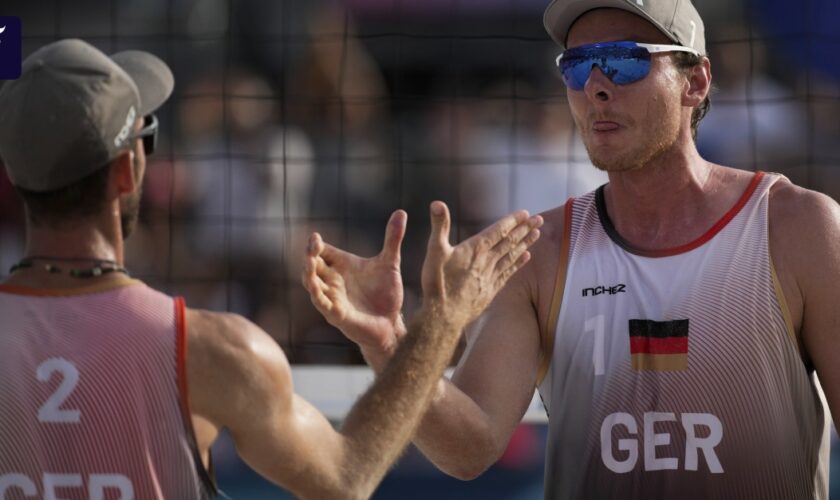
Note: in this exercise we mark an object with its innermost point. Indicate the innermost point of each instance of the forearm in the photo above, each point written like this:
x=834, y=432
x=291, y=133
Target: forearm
x=383, y=421
x=454, y=433
x=457, y=435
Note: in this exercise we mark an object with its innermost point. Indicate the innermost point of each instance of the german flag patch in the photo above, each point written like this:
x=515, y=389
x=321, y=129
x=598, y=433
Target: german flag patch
x=659, y=345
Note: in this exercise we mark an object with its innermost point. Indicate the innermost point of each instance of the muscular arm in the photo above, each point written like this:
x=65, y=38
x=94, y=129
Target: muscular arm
x=805, y=242
x=240, y=379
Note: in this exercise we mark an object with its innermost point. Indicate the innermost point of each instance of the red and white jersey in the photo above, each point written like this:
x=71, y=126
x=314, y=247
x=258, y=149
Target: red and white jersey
x=93, y=400
x=677, y=373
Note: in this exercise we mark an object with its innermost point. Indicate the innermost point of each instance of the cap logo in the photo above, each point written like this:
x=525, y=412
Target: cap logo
x=640, y=3
x=126, y=128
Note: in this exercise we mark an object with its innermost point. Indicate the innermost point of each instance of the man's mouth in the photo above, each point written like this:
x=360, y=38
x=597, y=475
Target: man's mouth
x=605, y=126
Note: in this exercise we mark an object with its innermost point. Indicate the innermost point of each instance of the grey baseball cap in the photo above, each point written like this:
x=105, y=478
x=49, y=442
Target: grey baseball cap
x=73, y=110
x=678, y=19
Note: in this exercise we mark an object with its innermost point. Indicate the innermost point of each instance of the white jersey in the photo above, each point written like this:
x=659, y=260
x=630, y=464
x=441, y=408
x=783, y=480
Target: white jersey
x=676, y=373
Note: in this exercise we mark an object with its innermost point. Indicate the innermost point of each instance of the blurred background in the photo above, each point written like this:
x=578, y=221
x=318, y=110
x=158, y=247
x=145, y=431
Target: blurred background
x=297, y=115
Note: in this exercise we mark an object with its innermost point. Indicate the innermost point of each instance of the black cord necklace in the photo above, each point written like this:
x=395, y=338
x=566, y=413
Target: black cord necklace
x=100, y=267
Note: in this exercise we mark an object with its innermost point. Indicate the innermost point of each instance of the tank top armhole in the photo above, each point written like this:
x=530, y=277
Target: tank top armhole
x=783, y=305
x=205, y=474
x=548, y=333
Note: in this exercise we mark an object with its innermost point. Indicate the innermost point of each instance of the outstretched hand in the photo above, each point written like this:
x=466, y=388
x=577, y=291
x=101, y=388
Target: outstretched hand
x=360, y=296
x=460, y=282
x=363, y=297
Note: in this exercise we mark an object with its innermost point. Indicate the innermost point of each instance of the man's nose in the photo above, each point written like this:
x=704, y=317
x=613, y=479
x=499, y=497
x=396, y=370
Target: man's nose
x=598, y=86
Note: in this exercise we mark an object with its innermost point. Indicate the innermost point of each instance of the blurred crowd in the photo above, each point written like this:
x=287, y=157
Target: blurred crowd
x=296, y=116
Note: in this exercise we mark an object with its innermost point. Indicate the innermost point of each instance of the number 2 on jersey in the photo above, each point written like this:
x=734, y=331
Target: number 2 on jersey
x=51, y=411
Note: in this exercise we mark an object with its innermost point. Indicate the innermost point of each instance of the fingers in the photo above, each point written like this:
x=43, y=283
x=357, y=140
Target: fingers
x=439, y=239
x=315, y=245
x=316, y=287
x=394, y=234
x=498, y=231
x=313, y=276
x=513, y=250
x=513, y=241
x=333, y=256
x=510, y=257
x=321, y=302
x=307, y=277
x=509, y=271
x=317, y=276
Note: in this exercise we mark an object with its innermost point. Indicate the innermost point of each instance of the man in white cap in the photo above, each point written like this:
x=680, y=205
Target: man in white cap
x=109, y=388
x=674, y=320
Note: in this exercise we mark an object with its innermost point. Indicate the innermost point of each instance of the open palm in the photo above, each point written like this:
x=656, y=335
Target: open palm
x=360, y=296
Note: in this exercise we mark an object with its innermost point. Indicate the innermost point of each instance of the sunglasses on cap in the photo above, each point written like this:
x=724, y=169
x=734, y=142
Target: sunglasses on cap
x=622, y=62
x=148, y=133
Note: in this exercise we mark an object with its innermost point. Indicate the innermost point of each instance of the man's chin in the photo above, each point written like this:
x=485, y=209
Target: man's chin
x=615, y=166
x=609, y=160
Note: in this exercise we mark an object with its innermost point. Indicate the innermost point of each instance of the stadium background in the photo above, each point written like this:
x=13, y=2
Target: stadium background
x=298, y=115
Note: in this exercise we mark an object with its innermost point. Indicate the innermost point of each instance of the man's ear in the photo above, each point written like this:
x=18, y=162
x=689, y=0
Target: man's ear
x=699, y=83
x=121, y=177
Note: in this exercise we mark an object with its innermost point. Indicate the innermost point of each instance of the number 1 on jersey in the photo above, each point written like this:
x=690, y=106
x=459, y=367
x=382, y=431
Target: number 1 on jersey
x=51, y=411
x=596, y=324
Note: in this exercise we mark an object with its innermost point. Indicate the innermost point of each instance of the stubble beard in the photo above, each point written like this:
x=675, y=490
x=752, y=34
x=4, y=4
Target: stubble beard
x=661, y=136
x=130, y=212
x=130, y=205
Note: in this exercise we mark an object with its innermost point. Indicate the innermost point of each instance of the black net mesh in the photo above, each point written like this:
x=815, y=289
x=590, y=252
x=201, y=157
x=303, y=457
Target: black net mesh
x=296, y=116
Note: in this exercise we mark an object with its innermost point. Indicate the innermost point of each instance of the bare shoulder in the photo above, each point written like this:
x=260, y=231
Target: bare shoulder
x=804, y=235
x=551, y=236
x=799, y=213
x=232, y=360
x=552, y=230
x=228, y=334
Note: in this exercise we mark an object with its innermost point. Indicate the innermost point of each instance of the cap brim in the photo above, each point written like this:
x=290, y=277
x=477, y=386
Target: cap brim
x=561, y=14
x=152, y=76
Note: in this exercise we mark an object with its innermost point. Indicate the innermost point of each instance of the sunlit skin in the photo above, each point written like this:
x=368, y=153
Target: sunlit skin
x=661, y=194
x=624, y=127
x=232, y=363
x=640, y=134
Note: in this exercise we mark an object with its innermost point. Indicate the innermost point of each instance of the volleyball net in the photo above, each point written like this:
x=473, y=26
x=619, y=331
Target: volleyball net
x=322, y=115
x=297, y=116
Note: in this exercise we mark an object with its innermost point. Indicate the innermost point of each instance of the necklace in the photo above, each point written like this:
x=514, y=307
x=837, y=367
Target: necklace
x=100, y=268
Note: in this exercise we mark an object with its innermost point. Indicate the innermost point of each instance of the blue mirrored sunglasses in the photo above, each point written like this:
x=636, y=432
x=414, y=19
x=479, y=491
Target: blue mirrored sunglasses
x=621, y=62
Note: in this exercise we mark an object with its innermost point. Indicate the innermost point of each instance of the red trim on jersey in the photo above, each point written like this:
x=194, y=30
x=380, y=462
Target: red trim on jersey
x=205, y=474
x=547, y=336
x=708, y=235
x=181, y=329
x=653, y=345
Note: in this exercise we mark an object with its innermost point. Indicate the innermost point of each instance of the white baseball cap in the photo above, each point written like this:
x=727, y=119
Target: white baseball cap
x=677, y=19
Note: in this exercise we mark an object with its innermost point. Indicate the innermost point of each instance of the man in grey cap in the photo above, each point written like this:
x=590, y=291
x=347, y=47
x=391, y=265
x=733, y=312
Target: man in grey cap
x=674, y=320
x=110, y=388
